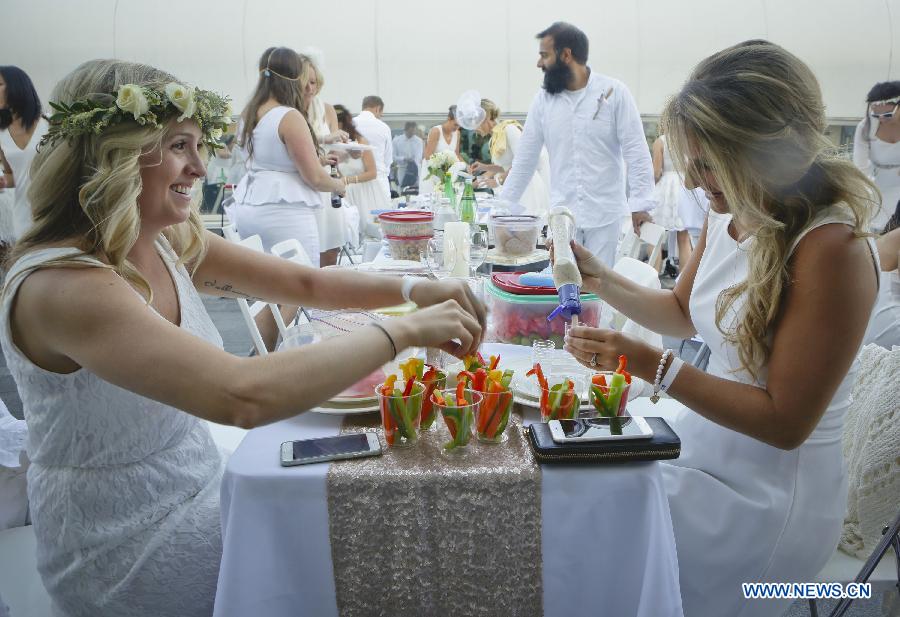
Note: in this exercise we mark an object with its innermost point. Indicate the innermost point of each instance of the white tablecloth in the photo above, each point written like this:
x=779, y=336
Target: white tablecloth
x=607, y=539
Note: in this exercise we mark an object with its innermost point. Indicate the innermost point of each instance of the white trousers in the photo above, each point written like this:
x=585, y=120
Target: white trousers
x=601, y=241
x=276, y=222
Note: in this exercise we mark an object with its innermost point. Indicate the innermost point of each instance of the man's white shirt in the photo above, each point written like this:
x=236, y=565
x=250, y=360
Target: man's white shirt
x=595, y=138
x=408, y=149
x=378, y=134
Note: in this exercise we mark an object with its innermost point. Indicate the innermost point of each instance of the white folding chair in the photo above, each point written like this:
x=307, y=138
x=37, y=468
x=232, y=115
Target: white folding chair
x=230, y=233
x=651, y=234
x=250, y=311
x=293, y=250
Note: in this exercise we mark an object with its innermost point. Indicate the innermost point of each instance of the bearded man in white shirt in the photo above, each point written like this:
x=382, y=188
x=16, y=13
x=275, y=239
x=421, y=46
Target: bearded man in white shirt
x=592, y=130
x=378, y=134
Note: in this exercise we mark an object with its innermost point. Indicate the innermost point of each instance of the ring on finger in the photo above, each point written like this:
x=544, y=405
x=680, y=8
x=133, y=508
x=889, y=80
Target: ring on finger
x=593, y=361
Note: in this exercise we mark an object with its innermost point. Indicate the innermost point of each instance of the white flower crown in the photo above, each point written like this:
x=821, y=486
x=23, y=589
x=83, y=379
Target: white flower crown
x=143, y=105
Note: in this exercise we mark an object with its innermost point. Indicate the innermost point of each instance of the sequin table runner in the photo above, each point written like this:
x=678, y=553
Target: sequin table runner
x=416, y=532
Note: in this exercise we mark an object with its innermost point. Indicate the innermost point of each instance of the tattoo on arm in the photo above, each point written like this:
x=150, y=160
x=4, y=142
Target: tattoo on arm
x=226, y=289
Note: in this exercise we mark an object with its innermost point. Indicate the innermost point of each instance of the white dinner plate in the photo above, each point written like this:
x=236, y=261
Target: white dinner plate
x=348, y=147
x=341, y=410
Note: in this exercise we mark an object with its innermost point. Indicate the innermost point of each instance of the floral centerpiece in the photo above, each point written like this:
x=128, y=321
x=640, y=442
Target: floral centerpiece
x=440, y=163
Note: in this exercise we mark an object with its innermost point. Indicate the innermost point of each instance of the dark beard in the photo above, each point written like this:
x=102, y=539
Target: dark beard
x=5, y=119
x=557, y=77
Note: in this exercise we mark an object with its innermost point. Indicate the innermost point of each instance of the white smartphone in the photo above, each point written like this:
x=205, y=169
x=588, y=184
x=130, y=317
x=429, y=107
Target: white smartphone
x=599, y=429
x=324, y=449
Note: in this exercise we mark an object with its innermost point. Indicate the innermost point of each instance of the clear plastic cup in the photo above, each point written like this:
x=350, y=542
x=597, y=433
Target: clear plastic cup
x=493, y=416
x=401, y=415
x=607, y=400
x=561, y=399
x=458, y=418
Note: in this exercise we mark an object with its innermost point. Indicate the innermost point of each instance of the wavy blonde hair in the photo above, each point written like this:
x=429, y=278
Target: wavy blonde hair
x=752, y=115
x=86, y=190
x=492, y=112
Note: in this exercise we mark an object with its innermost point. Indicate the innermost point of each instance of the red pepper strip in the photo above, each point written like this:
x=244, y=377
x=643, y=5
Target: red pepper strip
x=430, y=375
x=623, y=361
x=536, y=370
x=596, y=378
x=479, y=381
x=409, y=386
x=602, y=381
x=495, y=360
x=627, y=376
x=390, y=429
x=465, y=377
x=439, y=398
x=460, y=399
x=488, y=404
x=493, y=426
x=490, y=407
x=481, y=359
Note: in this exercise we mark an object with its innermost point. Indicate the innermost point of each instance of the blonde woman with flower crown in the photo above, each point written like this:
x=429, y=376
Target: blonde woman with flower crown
x=118, y=363
x=781, y=286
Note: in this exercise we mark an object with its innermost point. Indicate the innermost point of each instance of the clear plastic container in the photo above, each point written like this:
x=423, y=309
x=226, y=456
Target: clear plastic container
x=515, y=234
x=521, y=319
x=410, y=249
x=407, y=223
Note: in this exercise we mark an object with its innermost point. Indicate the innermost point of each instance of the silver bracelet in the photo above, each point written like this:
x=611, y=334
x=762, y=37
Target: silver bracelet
x=408, y=283
x=659, y=374
x=389, y=338
x=671, y=374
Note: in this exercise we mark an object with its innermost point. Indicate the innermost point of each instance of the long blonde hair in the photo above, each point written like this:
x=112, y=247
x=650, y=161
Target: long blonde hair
x=753, y=115
x=87, y=189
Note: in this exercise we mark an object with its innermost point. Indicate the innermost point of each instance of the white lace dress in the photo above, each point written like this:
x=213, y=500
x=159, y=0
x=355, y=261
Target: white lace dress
x=124, y=490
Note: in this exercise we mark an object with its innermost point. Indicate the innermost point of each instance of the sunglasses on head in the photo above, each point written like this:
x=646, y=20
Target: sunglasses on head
x=888, y=114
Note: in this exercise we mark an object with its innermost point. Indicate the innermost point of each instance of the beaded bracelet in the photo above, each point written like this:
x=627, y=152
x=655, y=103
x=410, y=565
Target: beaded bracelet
x=659, y=374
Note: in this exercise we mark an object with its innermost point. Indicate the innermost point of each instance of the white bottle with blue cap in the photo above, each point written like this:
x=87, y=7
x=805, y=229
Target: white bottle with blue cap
x=566, y=276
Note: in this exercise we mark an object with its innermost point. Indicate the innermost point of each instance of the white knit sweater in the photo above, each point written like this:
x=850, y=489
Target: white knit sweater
x=872, y=450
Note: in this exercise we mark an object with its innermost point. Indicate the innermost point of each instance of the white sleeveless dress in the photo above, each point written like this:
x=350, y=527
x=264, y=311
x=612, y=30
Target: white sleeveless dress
x=744, y=511
x=20, y=161
x=124, y=490
x=332, y=222
x=272, y=200
x=426, y=186
x=678, y=208
x=364, y=196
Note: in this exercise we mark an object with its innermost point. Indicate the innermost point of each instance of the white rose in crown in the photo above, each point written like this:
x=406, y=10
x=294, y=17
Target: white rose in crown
x=215, y=133
x=182, y=97
x=131, y=99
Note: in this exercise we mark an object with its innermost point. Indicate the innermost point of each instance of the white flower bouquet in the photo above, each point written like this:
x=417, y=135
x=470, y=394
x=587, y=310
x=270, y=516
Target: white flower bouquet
x=439, y=164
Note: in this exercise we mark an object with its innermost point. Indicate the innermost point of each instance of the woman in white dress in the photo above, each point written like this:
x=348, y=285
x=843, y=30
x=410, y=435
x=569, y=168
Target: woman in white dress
x=759, y=492
x=505, y=135
x=359, y=174
x=678, y=209
x=884, y=329
x=118, y=363
x=442, y=137
x=280, y=195
x=21, y=129
x=876, y=146
x=332, y=222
